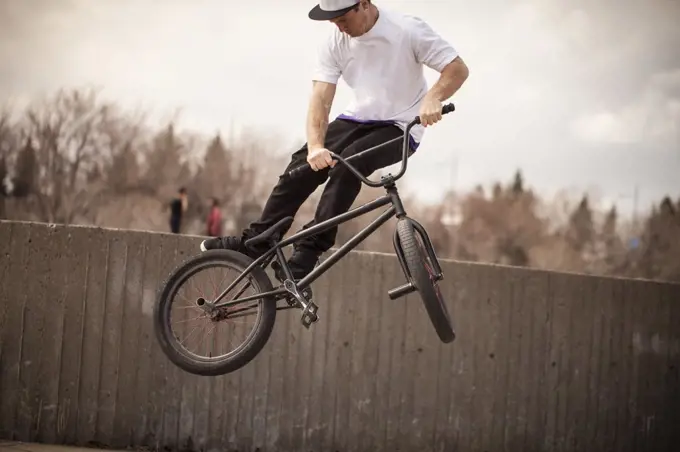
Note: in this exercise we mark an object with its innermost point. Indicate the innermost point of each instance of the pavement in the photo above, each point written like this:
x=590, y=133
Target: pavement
x=15, y=446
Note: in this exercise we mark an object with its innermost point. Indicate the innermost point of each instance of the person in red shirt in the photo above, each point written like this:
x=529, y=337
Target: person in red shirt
x=214, y=221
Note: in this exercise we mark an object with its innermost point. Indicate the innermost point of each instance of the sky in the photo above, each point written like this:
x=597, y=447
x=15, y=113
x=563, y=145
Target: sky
x=582, y=96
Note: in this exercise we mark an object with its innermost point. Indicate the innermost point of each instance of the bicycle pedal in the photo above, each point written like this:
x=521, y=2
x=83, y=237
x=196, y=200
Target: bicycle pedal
x=309, y=315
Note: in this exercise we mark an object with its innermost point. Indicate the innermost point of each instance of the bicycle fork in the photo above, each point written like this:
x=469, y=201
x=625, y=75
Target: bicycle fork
x=408, y=288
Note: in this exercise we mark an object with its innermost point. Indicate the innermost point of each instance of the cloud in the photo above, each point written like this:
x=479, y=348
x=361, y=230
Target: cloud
x=653, y=117
x=537, y=69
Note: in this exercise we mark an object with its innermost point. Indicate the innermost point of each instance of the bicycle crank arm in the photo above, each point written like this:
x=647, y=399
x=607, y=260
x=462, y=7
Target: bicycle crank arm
x=309, y=309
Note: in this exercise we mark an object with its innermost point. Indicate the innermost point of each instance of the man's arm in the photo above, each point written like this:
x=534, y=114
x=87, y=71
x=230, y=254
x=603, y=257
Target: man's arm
x=317, y=115
x=435, y=52
x=450, y=80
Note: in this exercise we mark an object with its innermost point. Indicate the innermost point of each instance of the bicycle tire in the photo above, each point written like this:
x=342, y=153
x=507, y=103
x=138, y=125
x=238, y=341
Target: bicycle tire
x=421, y=278
x=243, y=354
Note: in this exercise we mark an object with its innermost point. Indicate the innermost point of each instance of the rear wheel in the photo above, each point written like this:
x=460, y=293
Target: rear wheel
x=225, y=341
x=424, y=279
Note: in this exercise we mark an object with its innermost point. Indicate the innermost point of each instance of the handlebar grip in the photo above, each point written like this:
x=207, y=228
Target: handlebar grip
x=448, y=108
x=306, y=167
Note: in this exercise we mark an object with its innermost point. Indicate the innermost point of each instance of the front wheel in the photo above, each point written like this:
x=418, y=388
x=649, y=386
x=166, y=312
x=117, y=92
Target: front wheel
x=213, y=342
x=424, y=279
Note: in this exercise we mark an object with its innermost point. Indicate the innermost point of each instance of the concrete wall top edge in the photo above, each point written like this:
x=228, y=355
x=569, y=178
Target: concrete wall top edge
x=517, y=270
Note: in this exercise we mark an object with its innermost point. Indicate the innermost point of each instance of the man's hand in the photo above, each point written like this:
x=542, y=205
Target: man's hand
x=320, y=158
x=430, y=110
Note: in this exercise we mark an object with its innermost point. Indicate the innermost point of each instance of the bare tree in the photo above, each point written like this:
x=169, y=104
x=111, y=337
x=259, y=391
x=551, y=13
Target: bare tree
x=7, y=147
x=125, y=137
x=72, y=158
x=66, y=134
x=165, y=165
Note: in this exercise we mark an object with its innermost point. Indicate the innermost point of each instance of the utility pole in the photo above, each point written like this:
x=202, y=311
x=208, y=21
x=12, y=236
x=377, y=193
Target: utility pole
x=451, y=208
x=635, y=209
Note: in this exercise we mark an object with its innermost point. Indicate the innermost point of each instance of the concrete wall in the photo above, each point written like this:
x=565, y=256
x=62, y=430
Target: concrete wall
x=542, y=362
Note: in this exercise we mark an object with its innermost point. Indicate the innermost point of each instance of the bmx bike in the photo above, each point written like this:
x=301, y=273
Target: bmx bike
x=412, y=245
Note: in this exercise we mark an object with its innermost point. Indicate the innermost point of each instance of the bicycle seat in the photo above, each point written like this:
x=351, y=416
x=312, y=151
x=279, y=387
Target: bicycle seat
x=269, y=233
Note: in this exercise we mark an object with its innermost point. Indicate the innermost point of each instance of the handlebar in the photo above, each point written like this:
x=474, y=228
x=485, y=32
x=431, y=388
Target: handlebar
x=295, y=172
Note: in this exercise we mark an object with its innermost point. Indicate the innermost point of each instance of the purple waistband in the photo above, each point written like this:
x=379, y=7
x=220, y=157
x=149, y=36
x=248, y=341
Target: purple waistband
x=412, y=142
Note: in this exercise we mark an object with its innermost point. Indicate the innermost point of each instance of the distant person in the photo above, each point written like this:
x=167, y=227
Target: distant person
x=178, y=208
x=214, y=220
x=381, y=55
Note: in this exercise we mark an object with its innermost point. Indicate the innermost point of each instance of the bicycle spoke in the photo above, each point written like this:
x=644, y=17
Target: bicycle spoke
x=234, y=319
x=190, y=334
x=189, y=320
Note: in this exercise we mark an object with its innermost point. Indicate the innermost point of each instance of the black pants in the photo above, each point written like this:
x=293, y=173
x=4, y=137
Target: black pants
x=175, y=224
x=344, y=138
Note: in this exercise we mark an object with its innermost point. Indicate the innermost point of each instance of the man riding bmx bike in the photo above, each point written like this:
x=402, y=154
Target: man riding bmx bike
x=380, y=54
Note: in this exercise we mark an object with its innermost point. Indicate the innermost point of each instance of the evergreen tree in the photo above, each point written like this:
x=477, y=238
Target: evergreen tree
x=661, y=246
x=581, y=228
x=124, y=171
x=609, y=226
x=612, y=245
x=3, y=176
x=518, y=183
x=667, y=207
x=165, y=171
x=215, y=176
x=497, y=191
x=26, y=177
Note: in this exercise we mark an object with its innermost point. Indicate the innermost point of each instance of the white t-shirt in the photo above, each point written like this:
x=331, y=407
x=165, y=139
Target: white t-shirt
x=384, y=68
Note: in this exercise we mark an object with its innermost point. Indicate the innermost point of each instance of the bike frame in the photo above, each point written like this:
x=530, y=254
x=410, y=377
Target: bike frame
x=396, y=209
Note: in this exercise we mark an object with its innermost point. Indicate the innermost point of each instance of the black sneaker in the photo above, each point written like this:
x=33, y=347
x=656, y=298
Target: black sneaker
x=230, y=242
x=301, y=263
